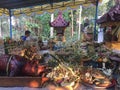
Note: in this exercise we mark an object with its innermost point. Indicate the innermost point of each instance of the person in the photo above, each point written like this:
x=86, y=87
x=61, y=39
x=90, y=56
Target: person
x=27, y=35
x=88, y=33
x=40, y=43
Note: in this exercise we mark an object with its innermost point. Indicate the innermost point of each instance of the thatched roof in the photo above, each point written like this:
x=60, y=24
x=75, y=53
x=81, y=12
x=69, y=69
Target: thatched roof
x=112, y=17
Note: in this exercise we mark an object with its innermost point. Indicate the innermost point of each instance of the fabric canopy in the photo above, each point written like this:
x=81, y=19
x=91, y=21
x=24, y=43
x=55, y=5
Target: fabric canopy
x=112, y=17
x=15, y=4
x=28, y=7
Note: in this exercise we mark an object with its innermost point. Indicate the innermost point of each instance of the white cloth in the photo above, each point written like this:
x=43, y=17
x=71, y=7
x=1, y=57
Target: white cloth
x=100, y=35
x=28, y=38
x=85, y=29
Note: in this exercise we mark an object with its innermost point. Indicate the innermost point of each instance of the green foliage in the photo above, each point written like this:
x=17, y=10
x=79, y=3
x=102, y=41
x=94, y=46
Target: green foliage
x=88, y=12
x=66, y=16
x=110, y=4
x=45, y=19
x=105, y=7
x=32, y=25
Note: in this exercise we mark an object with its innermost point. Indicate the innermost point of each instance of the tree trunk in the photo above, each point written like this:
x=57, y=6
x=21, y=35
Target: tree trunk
x=80, y=20
x=51, y=29
x=72, y=23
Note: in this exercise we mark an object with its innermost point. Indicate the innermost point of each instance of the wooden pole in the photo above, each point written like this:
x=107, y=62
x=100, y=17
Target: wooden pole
x=72, y=23
x=51, y=29
x=0, y=28
x=95, y=25
x=10, y=14
x=80, y=20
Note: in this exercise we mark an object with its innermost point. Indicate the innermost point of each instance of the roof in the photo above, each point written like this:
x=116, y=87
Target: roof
x=112, y=16
x=59, y=21
x=14, y=4
x=38, y=6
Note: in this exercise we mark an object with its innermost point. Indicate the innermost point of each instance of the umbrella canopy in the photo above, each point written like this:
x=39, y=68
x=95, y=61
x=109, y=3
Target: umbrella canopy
x=38, y=6
x=112, y=17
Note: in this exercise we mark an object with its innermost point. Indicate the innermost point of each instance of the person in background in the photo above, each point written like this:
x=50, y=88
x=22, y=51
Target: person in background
x=88, y=33
x=51, y=44
x=27, y=35
x=40, y=43
x=21, y=38
x=108, y=34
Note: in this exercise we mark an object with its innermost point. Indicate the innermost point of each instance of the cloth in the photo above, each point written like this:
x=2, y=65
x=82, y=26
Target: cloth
x=100, y=35
x=24, y=38
x=28, y=38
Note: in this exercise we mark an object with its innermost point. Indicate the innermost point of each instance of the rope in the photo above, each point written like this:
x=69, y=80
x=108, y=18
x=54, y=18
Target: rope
x=8, y=63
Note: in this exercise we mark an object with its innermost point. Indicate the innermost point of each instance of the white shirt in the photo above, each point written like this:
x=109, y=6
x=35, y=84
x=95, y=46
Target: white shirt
x=28, y=38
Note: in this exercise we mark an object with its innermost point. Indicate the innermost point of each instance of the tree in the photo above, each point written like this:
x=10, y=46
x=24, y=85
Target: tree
x=44, y=19
x=110, y=4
